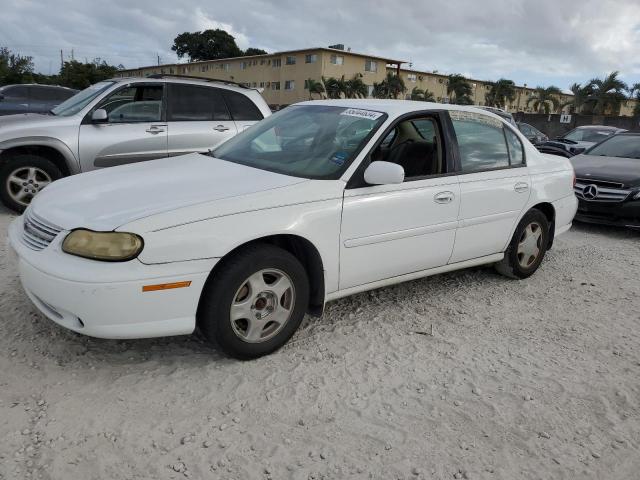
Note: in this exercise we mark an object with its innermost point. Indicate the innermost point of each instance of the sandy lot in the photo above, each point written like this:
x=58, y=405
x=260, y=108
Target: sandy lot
x=534, y=379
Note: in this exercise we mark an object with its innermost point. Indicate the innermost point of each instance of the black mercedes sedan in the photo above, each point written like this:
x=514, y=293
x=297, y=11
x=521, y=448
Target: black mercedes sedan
x=608, y=181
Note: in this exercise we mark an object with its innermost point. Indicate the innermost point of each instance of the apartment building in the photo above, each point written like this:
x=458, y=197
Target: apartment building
x=282, y=76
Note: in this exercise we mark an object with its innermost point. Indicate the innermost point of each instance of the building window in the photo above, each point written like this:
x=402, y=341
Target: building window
x=337, y=59
x=370, y=66
x=412, y=77
x=276, y=63
x=310, y=58
x=289, y=85
x=369, y=91
x=244, y=65
x=291, y=60
x=227, y=67
x=261, y=84
x=275, y=85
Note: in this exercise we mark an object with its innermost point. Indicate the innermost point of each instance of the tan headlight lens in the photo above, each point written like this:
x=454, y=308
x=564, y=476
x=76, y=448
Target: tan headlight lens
x=107, y=246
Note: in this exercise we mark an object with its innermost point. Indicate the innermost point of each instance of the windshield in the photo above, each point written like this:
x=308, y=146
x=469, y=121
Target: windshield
x=80, y=100
x=310, y=141
x=627, y=146
x=588, y=135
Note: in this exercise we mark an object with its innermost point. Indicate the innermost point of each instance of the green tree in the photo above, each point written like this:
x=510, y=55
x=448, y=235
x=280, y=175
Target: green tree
x=608, y=94
x=314, y=87
x=80, y=75
x=459, y=90
x=254, y=51
x=15, y=68
x=206, y=45
x=422, y=95
x=634, y=94
x=579, y=102
x=355, y=87
x=335, y=87
x=545, y=99
x=501, y=93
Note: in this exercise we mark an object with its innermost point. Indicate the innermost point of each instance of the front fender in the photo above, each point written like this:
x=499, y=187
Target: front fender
x=70, y=159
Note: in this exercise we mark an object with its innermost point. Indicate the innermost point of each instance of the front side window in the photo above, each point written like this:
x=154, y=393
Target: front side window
x=626, y=146
x=195, y=103
x=138, y=103
x=81, y=99
x=309, y=141
x=481, y=141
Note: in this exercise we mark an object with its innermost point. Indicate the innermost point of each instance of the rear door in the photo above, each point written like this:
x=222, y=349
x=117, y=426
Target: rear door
x=494, y=184
x=16, y=100
x=134, y=132
x=198, y=119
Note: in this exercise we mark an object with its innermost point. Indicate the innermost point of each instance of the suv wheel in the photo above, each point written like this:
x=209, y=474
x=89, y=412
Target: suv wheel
x=254, y=302
x=22, y=177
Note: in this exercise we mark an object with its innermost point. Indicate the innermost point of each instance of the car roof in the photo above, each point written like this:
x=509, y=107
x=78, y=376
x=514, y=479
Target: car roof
x=600, y=127
x=396, y=107
x=35, y=85
x=229, y=85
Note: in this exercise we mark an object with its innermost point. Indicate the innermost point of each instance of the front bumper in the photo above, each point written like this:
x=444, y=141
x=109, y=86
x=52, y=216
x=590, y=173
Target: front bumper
x=106, y=300
x=621, y=214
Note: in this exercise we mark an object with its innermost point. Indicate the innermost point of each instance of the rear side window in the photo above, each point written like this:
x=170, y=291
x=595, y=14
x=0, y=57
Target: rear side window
x=15, y=92
x=516, y=149
x=194, y=103
x=241, y=107
x=481, y=141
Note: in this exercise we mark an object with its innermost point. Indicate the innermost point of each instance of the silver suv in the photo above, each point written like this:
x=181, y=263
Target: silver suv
x=120, y=121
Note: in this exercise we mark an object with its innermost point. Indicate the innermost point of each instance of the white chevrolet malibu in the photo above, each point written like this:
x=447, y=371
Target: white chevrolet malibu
x=321, y=200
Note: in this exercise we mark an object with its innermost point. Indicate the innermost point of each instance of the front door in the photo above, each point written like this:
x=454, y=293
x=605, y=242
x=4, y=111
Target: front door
x=494, y=184
x=198, y=119
x=134, y=132
x=391, y=230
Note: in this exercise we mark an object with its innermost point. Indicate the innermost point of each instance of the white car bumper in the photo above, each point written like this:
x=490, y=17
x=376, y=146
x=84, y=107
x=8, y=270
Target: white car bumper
x=106, y=299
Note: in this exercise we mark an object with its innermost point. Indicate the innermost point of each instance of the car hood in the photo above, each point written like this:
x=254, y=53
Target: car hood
x=22, y=119
x=611, y=169
x=106, y=199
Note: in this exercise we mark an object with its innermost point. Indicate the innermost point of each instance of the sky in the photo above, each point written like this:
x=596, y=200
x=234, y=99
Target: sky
x=538, y=43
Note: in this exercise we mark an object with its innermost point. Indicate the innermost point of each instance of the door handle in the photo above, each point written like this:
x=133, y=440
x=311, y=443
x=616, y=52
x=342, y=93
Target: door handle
x=220, y=128
x=155, y=129
x=521, y=187
x=444, y=197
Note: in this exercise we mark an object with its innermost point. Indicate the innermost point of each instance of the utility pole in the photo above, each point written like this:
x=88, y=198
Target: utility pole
x=72, y=58
x=158, y=60
x=61, y=60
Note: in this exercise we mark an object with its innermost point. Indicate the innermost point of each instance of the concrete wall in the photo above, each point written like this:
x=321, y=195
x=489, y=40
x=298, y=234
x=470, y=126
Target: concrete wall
x=550, y=124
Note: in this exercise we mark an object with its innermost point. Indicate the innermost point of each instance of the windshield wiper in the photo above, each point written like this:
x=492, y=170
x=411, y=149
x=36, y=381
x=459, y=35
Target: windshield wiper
x=51, y=112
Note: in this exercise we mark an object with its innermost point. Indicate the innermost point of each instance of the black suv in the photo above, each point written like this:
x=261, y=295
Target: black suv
x=31, y=98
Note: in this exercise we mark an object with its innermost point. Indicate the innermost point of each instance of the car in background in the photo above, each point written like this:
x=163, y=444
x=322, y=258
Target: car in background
x=608, y=181
x=578, y=140
x=501, y=113
x=322, y=200
x=120, y=121
x=32, y=98
x=534, y=135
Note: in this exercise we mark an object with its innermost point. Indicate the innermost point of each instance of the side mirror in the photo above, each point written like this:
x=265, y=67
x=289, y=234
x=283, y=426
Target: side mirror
x=383, y=173
x=99, y=116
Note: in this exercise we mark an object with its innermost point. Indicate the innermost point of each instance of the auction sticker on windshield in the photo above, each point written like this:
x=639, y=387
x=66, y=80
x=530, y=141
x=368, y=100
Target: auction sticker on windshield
x=356, y=112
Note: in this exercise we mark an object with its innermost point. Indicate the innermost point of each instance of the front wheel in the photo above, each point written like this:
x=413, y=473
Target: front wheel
x=254, y=302
x=22, y=177
x=527, y=247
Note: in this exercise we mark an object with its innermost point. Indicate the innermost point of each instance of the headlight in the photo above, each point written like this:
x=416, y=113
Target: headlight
x=105, y=246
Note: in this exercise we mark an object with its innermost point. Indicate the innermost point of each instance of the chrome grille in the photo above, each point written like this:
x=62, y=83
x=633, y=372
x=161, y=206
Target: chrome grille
x=37, y=233
x=600, y=191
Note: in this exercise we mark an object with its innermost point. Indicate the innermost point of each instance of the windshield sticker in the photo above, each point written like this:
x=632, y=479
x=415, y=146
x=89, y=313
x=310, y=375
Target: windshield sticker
x=339, y=158
x=356, y=112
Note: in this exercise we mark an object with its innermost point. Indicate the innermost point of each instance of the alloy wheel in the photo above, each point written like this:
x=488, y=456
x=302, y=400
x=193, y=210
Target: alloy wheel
x=25, y=182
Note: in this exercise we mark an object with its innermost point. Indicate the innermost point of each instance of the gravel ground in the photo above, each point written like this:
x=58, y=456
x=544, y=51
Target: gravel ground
x=534, y=379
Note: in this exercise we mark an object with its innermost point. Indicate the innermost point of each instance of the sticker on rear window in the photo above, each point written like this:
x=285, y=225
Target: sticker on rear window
x=356, y=112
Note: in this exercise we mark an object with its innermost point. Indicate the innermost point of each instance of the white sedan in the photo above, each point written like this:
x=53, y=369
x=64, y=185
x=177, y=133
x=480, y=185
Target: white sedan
x=321, y=200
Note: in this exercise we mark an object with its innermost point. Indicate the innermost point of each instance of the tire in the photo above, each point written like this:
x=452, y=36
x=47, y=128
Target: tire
x=22, y=177
x=526, y=250
x=234, y=311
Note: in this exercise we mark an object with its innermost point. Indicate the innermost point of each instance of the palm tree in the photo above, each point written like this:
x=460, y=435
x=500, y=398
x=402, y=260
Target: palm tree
x=634, y=94
x=422, y=95
x=335, y=87
x=356, y=88
x=459, y=90
x=391, y=87
x=379, y=90
x=579, y=101
x=608, y=94
x=314, y=87
x=544, y=99
x=500, y=93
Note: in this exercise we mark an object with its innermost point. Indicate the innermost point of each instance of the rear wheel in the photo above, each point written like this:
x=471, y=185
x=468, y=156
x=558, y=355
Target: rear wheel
x=527, y=247
x=22, y=177
x=254, y=302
